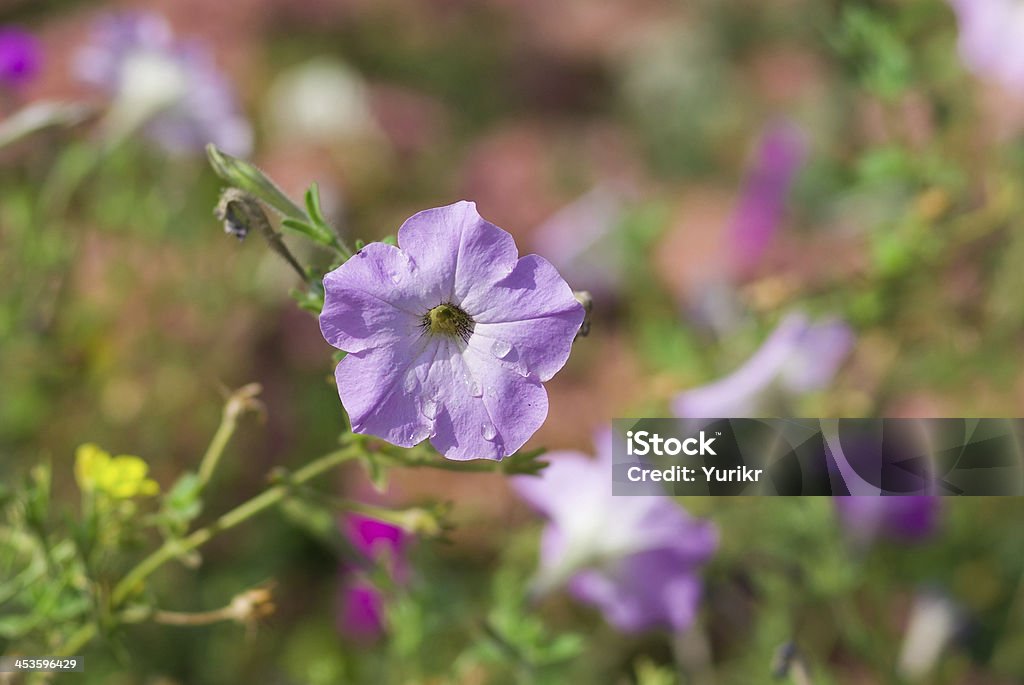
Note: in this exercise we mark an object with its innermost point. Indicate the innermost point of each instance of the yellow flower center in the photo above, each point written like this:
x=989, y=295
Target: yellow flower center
x=448, y=320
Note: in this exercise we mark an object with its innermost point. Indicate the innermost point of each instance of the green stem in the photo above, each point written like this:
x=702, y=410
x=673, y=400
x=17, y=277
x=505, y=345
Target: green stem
x=175, y=548
x=208, y=465
x=268, y=498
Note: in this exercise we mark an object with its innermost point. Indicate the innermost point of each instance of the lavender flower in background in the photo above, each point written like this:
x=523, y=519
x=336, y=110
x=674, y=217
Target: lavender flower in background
x=360, y=608
x=908, y=517
x=634, y=558
x=20, y=56
x=800, y=356
x=991, y=40
x=170, y=89
x=576, y=240
x=759, y=212
x=449, y=335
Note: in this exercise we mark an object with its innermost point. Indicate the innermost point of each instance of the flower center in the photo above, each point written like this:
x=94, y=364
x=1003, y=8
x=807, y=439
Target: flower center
x=448, y=320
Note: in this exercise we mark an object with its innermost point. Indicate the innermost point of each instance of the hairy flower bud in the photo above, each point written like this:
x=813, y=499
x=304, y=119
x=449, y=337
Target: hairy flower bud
x=246, y=177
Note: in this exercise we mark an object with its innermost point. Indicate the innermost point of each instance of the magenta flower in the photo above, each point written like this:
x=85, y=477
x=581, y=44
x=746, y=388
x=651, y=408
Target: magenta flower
x=449, y=335
x=361, y=605
x=906, y=517
x=991, y=41
x=634, y=558
x=20, y=56
x=798, y=357
x=169, y=88
x=756, y=219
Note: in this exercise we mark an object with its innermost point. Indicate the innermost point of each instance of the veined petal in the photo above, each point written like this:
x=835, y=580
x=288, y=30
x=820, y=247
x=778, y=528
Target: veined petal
x=531, y=290
x=368, y=301
x=378, y=388
x=483, y=409
x=539, y=346
x=453, y=248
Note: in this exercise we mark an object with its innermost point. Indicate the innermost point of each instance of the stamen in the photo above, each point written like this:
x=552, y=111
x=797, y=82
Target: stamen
x=448, y=320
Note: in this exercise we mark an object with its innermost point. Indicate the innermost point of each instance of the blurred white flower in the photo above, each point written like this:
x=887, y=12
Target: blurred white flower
x=320, y=101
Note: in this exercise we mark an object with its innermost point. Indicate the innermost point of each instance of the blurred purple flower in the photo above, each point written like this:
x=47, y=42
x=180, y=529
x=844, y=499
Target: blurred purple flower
x=798, y=357
x=908, y=517
x=991, y=41
x=576, y=240
x=449, y=335
x=169, y=88
x=755, y=221
x=360, y=604
x=360, y=610
x=634, y=558
x=20, y=56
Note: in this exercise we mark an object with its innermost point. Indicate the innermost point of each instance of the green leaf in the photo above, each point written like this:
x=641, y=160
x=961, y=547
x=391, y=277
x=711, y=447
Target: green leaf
x=182, y=503
x=305, y=229
x=376, y=472
x=524, y=463
x=313, y=205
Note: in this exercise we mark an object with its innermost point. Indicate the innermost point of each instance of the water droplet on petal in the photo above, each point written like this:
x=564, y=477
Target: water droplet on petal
x=488, y=431
x=414, y=434
x=430, y=409
x=474, y=388
x=500, y=349
x=396, y=278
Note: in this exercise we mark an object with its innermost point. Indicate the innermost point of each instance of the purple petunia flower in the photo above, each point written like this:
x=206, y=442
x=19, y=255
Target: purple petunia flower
x=634, y=558
x=360, y=604
x=170, y=88
x=20, y=56
x=755, y=221
x=448, y=335
x=907, y=517
x=991, y=41
x=798, y=357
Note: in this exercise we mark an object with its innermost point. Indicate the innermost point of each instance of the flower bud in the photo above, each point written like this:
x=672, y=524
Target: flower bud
x=240, y=213
x=246, y=177
x=585, y=299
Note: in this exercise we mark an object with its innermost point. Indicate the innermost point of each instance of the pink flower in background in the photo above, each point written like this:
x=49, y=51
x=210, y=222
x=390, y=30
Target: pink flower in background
x=449, y=335
x=759, y=212
x=907, y=517
x=169, y=88
x=799, y=356
x=636, y=559
x=20, y=56
x=361, y=604
x=991, y=40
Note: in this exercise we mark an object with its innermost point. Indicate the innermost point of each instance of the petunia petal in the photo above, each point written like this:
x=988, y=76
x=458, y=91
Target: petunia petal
x=453, y=249
x=646, y=590
x=533, y=289
x=484, y=410
x=363, y=305
x=539, y=346
x=378, y=389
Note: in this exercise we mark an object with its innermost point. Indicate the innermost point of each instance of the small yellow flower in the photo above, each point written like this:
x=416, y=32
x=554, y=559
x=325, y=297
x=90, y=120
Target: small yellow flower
x=119, y=477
